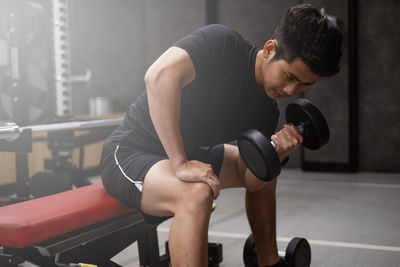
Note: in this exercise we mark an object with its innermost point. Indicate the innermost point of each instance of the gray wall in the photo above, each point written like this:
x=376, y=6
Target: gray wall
x=107, y=39
x=119, y=39
x=379, y=85
x=331, y=95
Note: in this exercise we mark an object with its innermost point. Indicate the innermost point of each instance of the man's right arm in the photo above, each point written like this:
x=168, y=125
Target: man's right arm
x=164, y=80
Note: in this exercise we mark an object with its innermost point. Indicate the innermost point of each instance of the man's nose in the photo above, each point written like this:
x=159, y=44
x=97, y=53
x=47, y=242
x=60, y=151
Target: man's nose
x=290, y=89
x=293, y=88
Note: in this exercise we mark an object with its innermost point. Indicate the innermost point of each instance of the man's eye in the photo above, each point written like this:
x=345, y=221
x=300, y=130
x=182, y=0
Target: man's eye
x=289, y=77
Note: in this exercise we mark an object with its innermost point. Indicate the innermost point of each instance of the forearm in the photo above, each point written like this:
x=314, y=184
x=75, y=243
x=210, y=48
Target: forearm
x=164, y=105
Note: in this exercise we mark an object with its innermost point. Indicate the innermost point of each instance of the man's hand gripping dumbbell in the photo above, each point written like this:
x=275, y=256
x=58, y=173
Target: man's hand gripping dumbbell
x=306, y=125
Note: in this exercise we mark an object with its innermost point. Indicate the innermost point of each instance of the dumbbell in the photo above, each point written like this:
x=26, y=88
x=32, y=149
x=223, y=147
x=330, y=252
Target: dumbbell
x=259, y=153
x=297, y=254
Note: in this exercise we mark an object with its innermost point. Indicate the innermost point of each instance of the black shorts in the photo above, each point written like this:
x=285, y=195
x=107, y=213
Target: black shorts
x=123, y=170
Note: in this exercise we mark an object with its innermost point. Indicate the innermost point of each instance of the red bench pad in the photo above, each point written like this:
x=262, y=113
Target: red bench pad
x=27, y=223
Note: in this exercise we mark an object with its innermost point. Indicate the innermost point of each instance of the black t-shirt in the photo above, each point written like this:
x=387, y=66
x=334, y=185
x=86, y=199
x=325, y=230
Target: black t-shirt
x=222, y=101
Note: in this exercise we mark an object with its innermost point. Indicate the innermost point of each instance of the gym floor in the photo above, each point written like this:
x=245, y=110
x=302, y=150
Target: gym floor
x=348, y=219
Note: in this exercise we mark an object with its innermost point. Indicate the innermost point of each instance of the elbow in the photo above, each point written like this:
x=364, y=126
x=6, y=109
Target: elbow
x=151, y=78
x=155, y=77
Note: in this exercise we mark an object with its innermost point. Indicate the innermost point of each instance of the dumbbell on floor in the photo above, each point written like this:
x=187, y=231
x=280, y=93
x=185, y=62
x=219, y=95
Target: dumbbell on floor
x=297, y=254
x=259, y=153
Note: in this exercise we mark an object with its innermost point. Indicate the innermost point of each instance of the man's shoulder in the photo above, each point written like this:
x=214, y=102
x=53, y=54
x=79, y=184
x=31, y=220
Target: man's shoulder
x=212, y=34
x=220, y=29
x=217, y=27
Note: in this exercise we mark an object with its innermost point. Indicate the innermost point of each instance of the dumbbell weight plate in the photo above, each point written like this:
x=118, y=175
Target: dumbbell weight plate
x=259, y=155
x=298, y=252
x=32, y=21
x=316, y=132
x=249, y=252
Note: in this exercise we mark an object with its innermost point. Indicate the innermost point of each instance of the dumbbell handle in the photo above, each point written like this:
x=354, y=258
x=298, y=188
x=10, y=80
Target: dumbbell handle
x=299, y=127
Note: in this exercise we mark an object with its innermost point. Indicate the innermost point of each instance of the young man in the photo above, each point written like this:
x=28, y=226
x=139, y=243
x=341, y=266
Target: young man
x=170, y=155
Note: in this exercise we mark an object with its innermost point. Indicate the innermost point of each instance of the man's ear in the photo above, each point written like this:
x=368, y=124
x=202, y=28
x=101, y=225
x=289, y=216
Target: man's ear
x=269, y=49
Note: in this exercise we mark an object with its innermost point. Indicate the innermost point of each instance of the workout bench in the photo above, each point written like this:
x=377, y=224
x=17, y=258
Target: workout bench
x=80, y=225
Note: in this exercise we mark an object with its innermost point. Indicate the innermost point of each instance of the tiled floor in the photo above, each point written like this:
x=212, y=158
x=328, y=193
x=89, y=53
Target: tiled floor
x=349, y=219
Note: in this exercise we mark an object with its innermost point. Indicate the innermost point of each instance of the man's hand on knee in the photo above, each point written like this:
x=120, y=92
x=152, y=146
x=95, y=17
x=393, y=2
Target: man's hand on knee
x=197, y=171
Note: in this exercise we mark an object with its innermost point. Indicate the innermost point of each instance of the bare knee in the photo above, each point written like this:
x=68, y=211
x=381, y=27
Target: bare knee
x=196, y=199
x=254, y=187
x=246, y=177
x=199, y=194
x=267, y=187
x=254, y=184
x=251, y=182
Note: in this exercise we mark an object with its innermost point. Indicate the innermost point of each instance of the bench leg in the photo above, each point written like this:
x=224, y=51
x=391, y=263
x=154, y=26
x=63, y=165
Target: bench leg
x=149, y=252
x=214, y=254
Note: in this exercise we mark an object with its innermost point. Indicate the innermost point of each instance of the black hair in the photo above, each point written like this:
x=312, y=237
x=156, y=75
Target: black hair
x=308, y=33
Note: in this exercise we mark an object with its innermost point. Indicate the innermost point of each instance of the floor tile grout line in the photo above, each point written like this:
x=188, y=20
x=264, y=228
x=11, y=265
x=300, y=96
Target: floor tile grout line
x=311, y=241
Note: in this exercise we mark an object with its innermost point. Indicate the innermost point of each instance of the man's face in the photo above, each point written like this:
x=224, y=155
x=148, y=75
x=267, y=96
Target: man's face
x=283, y=79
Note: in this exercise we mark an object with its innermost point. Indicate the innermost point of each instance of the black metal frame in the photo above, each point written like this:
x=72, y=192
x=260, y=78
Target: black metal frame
x=353, y=83
x=98, y=243
x=57, y=141
x=19, y=84
x=95, y=244
x=22, y=147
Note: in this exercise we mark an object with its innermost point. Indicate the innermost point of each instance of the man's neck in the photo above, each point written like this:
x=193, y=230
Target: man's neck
x=258, y=68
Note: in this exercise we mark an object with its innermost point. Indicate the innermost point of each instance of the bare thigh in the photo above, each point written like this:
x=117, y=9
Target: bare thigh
x=163, y=192
x=234, y=172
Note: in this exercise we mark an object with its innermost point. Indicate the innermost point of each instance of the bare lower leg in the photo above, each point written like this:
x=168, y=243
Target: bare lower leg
x=190, y=204
x=188, y=239
x=261, y=213
x=260, y=204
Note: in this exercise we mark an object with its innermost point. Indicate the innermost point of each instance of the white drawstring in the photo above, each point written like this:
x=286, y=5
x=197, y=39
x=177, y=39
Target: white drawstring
x=138, y=184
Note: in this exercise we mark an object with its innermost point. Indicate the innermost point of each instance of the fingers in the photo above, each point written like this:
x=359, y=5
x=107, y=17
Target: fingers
x=211, y=179
x=213, y=182
x=197, y=171
x=286, y=140
x=292, y=131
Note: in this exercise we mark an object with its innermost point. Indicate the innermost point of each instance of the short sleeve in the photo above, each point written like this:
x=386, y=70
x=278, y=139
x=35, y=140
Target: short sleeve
x=271, y=115
x=210, y=47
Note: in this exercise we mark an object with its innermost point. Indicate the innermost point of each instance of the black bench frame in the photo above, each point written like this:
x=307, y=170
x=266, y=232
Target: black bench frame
x=97, y=244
